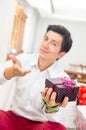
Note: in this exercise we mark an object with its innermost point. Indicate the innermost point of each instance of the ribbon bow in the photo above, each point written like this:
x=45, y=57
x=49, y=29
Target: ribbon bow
x=67, y=82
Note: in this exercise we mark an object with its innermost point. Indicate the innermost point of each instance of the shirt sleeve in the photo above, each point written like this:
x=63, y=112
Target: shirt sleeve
x=55, y=117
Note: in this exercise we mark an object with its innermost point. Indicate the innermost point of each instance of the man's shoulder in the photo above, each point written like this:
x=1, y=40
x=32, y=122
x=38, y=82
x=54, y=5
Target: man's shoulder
x=58, y=71
x=26, y=56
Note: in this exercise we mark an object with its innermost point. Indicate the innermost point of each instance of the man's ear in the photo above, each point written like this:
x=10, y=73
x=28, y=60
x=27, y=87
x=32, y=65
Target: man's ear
x=61, y=54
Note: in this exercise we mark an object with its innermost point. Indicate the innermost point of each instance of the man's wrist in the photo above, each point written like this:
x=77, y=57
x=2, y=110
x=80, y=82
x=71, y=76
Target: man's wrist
x=49, y=109
x=50, y=112
x=55, y=108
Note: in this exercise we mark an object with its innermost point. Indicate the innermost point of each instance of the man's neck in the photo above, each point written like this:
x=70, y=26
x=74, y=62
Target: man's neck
x=43, y=64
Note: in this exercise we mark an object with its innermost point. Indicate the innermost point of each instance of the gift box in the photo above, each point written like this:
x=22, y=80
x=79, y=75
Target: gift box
x=63, y=87
x=82, y=95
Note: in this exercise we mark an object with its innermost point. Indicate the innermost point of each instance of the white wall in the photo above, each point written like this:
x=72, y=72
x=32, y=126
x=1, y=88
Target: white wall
x=29, y=33
x=7, y=12
x=77, y=29
x=6, y=23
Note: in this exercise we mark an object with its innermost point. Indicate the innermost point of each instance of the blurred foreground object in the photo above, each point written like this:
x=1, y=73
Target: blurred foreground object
x=80, y=119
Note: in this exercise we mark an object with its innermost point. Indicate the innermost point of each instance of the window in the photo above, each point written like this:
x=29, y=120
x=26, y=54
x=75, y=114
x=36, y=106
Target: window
x=18, y=31
x=18, y=28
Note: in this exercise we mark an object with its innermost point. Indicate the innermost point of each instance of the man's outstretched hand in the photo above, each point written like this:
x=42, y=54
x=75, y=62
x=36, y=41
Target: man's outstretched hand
x=16, y=69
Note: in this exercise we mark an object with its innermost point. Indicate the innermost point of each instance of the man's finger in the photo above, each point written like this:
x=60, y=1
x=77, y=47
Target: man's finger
x=65, y=101
x=15, y=60
x=48, y=94
x=26, y=72
x=44, y=92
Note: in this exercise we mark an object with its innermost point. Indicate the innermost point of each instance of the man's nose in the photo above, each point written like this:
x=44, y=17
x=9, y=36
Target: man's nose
x=46, y=44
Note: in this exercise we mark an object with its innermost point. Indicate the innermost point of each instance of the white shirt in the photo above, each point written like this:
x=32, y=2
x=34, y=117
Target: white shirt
x=27, y=100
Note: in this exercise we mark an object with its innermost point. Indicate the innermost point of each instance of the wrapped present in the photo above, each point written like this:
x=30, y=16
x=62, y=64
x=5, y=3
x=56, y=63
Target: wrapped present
x=82, y=95
x=63, y=87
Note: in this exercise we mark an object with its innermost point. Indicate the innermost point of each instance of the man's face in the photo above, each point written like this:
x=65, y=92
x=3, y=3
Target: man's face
x=50, y=46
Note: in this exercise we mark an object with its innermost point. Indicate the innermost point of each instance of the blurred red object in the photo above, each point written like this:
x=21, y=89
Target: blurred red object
x=82, y=95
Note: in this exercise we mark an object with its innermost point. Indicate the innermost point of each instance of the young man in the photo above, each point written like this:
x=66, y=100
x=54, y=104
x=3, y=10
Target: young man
x=28, y=111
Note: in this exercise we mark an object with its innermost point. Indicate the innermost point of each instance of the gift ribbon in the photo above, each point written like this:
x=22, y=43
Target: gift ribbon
x=66, y=82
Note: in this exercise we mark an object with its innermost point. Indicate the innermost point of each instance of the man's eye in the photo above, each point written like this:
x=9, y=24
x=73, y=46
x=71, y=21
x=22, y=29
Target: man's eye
x=45, y=38
x=54, y=44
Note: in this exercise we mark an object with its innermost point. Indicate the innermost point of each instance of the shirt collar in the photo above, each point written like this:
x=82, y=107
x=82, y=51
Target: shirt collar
x=52, y=67
x=34, y=61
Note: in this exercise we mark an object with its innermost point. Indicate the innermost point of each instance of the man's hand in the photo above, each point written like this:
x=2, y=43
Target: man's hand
x=50, y=96
x=15, y=70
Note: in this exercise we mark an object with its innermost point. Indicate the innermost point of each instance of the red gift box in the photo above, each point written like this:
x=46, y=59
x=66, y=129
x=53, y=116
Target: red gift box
x=63, y=87
x=82, y=95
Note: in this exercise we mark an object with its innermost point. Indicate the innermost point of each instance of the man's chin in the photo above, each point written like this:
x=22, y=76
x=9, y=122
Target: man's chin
x=42, y=55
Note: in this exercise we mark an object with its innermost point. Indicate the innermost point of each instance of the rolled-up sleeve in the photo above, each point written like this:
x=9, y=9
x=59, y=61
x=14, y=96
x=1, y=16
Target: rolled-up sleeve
x=2, y=68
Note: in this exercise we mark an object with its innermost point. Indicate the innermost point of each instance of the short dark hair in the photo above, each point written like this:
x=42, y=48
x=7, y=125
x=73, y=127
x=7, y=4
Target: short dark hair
x=67, y=40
